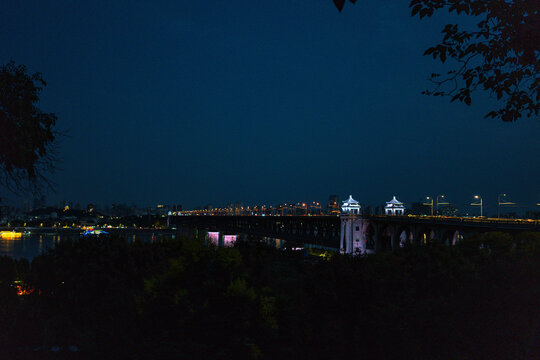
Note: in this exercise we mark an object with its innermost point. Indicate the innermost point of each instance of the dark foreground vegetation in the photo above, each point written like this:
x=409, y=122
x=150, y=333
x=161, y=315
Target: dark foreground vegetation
x=107, y=298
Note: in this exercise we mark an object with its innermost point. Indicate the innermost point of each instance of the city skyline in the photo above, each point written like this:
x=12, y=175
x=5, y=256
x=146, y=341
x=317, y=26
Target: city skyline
x=441, y=204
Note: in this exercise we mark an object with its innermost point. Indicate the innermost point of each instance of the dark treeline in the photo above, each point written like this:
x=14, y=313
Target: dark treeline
x=181, y=299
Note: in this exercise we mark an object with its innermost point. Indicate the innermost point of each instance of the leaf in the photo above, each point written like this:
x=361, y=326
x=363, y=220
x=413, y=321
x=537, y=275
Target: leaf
x=416, y=9
x=339, y=4
x=491, y=114
x=442, y=55
x=429, y=51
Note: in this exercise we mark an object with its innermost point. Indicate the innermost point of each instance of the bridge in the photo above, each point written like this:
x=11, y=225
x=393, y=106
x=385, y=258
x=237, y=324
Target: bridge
x=353, y=233
x=321, y=230
x=372, y=233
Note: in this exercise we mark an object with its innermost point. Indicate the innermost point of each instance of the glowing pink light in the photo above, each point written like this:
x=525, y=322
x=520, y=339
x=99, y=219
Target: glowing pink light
x=213, y=237
x=229, y=240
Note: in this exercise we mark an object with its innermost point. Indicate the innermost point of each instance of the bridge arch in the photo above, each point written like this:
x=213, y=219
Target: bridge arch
x=451, y=236
x=403, y=236
x=370, y=237
x=384, y=237
x=424, y=235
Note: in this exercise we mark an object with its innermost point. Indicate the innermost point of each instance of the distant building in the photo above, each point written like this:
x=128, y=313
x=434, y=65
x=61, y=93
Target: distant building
x=162, y=209
x=238, y=208
x=315, y=208
x=332, y=207
x=418, y=208
x=448, y=210
x=43, y=214
x=300, y=209
x=90, y=208
x=39, y=202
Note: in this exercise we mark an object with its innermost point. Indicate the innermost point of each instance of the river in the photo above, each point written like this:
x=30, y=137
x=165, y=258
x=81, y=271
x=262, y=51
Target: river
x=34, y=242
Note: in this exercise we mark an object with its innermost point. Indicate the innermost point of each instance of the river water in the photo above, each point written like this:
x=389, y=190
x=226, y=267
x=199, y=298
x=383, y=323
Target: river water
x=30, y=245
x=34, y=243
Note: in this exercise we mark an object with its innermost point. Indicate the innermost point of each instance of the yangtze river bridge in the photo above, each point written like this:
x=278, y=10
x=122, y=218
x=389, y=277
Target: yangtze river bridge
x=374, y=232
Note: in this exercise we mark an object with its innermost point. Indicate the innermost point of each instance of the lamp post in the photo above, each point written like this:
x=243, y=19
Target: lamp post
x=440, y=203
x=499, y=203
x=478, y=197
x=429, y=204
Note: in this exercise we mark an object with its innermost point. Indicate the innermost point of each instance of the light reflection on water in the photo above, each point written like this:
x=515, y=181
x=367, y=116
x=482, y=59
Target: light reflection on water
x=30, y=246
x=27, y=246
x=274, y=242
x=6, y=246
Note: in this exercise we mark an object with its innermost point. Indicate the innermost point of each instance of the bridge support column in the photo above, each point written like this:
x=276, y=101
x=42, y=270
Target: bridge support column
x=377, y=237
x=438, y=235
x=395, y=238
x=351, y=238
x=342, y=237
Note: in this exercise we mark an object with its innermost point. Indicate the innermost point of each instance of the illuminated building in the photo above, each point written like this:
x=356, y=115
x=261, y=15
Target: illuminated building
x=333, y=205
x=350, y=206
x=394, y=207
x=315, y=208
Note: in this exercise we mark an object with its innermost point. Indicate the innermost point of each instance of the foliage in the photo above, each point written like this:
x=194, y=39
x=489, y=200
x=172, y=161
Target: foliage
x=500, y=56
x=27, y=132
x=171, y=299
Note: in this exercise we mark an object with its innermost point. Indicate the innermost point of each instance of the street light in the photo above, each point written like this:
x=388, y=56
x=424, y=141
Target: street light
x=480, y=203
x=429, y=204
x=499, y=203
x=440, y=203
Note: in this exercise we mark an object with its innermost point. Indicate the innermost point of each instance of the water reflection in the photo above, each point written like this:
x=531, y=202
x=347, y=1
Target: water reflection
x=274, y=242
x=6, y=245
x=29, y=246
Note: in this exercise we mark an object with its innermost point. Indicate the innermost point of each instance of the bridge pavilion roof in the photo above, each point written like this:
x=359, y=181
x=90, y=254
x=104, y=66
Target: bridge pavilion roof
x=350, y=204
x=350, y=201
x=394, y=203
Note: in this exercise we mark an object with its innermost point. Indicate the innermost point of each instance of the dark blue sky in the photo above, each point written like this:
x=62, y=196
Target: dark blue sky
x=195, y=102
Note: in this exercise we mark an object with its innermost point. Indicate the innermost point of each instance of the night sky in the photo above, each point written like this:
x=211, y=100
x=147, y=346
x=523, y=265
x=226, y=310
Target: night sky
x=261, y=102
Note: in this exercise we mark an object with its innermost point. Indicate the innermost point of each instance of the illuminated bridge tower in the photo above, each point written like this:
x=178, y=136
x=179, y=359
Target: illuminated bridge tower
x=351, y=239
x=394, y=207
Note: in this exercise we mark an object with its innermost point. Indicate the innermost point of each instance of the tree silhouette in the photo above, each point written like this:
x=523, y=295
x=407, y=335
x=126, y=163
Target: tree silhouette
x=500, y=56
x=27, y=133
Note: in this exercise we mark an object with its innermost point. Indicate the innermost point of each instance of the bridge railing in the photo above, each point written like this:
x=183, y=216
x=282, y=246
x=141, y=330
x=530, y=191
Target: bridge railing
x=458, y=219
